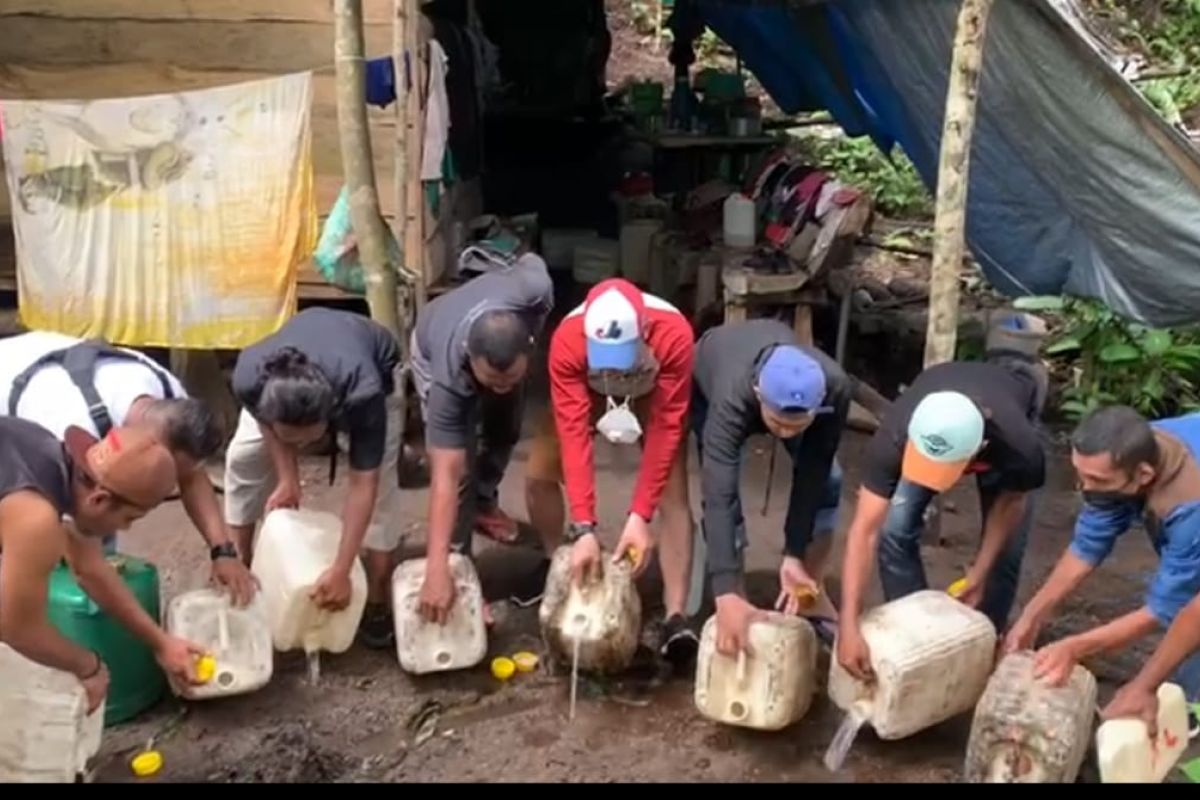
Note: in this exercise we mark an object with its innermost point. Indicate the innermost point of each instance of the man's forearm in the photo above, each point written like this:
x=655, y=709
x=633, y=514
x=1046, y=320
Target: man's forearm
x=200, y=502
x=356, y=515
x=447, y=469
x=1002, y=521
x=1181, y=641
x=856, y=570
x=1117, y=634
x=283, y=458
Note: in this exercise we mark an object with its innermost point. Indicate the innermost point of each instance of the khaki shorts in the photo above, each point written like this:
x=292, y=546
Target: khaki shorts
x=250, y=477
x=545, y=453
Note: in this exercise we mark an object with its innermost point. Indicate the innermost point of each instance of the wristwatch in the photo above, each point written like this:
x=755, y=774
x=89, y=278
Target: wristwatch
x=577, y=530
x=226, y=550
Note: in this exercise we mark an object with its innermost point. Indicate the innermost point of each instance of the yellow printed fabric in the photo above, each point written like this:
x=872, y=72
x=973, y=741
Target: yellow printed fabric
x=173, y=220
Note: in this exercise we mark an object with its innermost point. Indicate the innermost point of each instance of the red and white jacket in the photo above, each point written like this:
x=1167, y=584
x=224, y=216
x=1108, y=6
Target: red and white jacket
x=669, y=335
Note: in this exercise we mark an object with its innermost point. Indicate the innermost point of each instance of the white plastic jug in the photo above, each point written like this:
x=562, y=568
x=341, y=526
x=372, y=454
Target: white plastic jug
x=237, y=639
x=636, y=239
x=739, y=221
x=425, y=647
x=601, y=620
x=294, y=549
x=769, y=690
x=1026, y=731
x=931, y=656
x=46, y=736
x=1128, y=755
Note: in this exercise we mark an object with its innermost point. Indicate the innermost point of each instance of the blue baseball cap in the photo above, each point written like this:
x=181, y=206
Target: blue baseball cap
x=792, y=382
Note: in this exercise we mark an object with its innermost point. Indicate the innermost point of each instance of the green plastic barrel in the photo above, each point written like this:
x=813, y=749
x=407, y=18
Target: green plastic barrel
x=136, y=680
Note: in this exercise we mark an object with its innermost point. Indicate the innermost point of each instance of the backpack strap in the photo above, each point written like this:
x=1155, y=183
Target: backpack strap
x=79, y=361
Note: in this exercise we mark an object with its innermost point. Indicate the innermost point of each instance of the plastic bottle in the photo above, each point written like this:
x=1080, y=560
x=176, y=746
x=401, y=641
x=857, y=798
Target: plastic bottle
x=1026, y=731
x=236, y=640
x=424, y=647
x=599, y=621
x=769, y=690
x=739, y=221
x=294, y=549
x=1126, y=752
x=47, y=736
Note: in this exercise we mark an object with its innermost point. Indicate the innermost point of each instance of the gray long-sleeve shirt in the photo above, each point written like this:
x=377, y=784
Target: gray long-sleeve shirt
x=727, y=365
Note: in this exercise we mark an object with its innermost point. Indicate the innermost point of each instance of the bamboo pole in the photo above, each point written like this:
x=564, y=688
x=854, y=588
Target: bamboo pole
x=400, y=23
x=358, y=165
x=414, y=120
x=953, y=180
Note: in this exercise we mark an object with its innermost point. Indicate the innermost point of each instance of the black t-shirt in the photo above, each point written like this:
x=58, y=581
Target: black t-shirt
x=1013, y=445
x=31, y=458
x=354, y=353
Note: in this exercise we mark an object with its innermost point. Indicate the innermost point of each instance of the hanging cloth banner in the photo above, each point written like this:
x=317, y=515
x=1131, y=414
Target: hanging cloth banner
x=174, y=220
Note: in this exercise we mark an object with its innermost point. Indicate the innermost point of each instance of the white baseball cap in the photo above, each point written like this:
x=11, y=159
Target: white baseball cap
x=613, y=314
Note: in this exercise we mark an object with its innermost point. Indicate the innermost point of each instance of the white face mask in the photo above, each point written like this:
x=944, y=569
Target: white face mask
x=619, y=424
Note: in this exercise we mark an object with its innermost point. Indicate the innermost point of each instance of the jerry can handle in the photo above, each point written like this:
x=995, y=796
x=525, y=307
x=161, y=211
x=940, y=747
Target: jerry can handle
x=741, y=667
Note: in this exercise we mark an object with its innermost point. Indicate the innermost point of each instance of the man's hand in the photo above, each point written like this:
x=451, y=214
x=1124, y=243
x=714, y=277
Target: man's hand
x=1022, y=635
x=1134, y=700
x=635, y=544
x=96, y=687
x=286, y=495
x=333, y=589
x=853, y=653
x=585, y=560
x=232, y=575
x=1054, y=662
x=178, y=657
x=797, y=590
x=437, y=592
x=734, y=616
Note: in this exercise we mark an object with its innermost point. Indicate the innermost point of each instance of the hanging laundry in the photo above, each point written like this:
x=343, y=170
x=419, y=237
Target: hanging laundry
x=465, y=138
x=174, y=220
x=437, y=115
x=381, y=81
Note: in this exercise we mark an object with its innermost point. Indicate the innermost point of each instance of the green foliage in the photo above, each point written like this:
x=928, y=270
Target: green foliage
x=892, y=181
x=1168, y=33
x=1115, y=361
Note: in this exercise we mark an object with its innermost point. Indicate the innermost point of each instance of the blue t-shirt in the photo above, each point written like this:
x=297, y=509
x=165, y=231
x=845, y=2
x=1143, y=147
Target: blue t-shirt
x=1172, y=523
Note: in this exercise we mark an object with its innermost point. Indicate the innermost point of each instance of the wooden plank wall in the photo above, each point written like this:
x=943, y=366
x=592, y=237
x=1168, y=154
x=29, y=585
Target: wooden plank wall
x=87, y=49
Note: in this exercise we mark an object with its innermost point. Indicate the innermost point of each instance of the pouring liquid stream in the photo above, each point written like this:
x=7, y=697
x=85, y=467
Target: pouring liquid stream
x=843, y=740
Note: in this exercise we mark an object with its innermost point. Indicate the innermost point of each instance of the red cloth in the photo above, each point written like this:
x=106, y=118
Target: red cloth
x=669, y=336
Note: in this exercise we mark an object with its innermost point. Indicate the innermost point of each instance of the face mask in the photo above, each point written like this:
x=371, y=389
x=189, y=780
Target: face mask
x=619, y=424
x=1107, y=498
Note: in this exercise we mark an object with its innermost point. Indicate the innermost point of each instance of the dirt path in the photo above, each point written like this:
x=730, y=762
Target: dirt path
x=363, y=722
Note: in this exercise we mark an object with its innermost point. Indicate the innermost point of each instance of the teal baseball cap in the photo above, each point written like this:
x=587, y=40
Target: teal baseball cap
x=944, y=434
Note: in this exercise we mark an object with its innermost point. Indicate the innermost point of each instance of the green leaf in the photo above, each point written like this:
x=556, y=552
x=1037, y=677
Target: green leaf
x=1064, y=345
x=1119, y=352
x=1155, y=343
x=1044, y=302
x=1192, y=770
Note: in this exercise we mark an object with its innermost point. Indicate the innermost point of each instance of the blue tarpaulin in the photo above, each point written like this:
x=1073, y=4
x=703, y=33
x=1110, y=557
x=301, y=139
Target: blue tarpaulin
x=1077, y=184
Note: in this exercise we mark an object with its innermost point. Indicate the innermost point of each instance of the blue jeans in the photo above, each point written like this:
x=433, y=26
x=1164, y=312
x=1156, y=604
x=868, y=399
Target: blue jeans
x=900, y=567
x=826, y=519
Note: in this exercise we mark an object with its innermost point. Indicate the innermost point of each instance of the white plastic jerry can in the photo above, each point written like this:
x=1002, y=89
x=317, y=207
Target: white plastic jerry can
x=1026, y=731
x=931, y=656
x=294, y=549
x=459, y=643
x=600, y=622
x=1126, y=752
x=769, y=690
x=238, y=640
x=46, y=735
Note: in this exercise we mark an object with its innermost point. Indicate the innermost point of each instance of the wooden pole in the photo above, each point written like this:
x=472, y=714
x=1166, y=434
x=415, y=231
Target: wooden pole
x=953, y=180
x=414, y=121
x=358, y=165
x=400, y=23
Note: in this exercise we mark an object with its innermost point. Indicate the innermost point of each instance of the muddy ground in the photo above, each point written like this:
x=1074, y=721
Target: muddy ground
x=368, y=721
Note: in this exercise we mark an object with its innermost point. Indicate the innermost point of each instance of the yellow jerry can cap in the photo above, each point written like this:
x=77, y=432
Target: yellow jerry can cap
x=146, y=763
x=503, y=668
